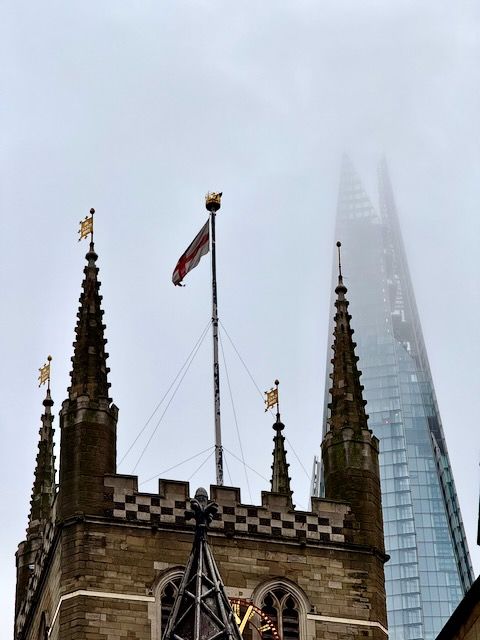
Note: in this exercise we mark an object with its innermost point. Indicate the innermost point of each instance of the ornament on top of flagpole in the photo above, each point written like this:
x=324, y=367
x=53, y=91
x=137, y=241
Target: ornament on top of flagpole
x=86, y=226
x=213, y=201
x=271, y=398
x=45, y=373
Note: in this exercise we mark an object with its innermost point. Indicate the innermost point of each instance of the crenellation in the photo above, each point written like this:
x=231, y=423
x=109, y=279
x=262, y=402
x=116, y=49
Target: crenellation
x=174, y=490
x=330, y=522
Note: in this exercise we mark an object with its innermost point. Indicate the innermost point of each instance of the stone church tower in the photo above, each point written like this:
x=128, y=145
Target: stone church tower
x=104, y=561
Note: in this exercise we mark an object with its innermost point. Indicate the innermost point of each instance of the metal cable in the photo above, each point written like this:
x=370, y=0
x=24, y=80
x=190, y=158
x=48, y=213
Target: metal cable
x=260, y=393
x=200, y=339
x=242, y=361
x=228, y=470
x=203, y=463
x=296, y=456
x=176, y=465
x=199, y=344
x=248, y=466
x=235, y=417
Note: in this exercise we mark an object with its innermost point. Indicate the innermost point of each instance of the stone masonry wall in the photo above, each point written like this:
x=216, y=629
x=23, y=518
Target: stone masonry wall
x=111, y=566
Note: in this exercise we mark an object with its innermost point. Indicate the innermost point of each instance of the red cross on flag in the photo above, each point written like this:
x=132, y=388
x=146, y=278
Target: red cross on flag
x=189, y=260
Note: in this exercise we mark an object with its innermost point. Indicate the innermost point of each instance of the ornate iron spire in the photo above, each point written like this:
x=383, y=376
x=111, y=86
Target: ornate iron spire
x=43, y=490
x=89, y=370
x=280, y=482
x=347, y=406
x=202, y=610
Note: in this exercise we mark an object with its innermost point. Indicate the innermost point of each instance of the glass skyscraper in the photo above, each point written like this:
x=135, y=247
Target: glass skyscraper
x=429, y=568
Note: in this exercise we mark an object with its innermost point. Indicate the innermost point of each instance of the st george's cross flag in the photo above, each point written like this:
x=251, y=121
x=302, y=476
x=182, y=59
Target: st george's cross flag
x=189, y=260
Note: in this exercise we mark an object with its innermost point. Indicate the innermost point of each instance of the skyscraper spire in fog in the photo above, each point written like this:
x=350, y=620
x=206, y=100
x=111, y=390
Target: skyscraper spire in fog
x=429, y=570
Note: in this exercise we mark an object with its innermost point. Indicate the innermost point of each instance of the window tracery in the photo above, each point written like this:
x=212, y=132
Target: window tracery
x=282, y=608
x=287, y=607
x=165, y=595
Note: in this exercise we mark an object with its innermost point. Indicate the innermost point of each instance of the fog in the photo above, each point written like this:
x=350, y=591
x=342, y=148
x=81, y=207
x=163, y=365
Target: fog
x=138, y=109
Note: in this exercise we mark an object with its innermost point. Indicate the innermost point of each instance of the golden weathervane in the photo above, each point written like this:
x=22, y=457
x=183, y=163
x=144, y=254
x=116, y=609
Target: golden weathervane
x=45, y=373
x=86, y=226
x=271, y=397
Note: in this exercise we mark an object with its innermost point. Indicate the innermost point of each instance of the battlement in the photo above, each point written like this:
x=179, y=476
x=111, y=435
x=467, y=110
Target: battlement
x=328, y=522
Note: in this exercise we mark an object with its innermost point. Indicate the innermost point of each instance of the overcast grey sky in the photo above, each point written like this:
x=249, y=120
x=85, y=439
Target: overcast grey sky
x=139, y=108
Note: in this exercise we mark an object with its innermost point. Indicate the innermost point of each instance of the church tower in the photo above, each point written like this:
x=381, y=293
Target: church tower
x=105, y=561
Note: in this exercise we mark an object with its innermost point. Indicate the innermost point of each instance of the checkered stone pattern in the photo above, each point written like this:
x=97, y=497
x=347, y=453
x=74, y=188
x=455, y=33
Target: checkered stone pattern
x=144, y=507
x=331, y=526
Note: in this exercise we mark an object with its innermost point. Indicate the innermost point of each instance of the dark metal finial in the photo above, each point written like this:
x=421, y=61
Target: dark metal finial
x=339, y=244
x=202, y=510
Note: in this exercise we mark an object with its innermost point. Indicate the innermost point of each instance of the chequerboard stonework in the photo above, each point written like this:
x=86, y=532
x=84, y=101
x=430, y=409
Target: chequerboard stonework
x=103, y=561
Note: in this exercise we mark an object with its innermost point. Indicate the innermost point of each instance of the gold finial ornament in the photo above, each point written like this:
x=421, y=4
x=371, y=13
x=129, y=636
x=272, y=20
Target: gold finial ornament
x=271, y=397
x=86, y=226
x=45, y=373
x=213, y=201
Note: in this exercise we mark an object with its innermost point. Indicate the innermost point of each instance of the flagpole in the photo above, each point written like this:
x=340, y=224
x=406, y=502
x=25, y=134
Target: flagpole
x=212, y=203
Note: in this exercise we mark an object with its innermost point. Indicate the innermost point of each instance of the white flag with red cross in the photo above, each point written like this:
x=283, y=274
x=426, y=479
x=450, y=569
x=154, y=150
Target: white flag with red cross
x=199, y=247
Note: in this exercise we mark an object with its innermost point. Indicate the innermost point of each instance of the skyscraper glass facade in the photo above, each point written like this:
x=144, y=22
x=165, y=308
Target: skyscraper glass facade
x=429, y=568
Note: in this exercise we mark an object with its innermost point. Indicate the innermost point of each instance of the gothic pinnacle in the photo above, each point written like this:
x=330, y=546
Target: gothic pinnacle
x=43, y=490
x=280, y=482
x=89, y=369
x=347, y=406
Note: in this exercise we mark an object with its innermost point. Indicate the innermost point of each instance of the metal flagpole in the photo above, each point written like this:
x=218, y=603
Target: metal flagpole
x=212, y=203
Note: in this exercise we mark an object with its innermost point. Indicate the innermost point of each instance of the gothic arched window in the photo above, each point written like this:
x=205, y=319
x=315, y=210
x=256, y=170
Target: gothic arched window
x=282, y=607
x=286, y=605
x=166, y=593
x=44, y=628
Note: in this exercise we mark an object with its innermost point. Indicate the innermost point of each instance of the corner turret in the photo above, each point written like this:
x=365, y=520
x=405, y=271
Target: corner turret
x=43, y=491
x=349, y=449
x=88, y=417
x=41, y=503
